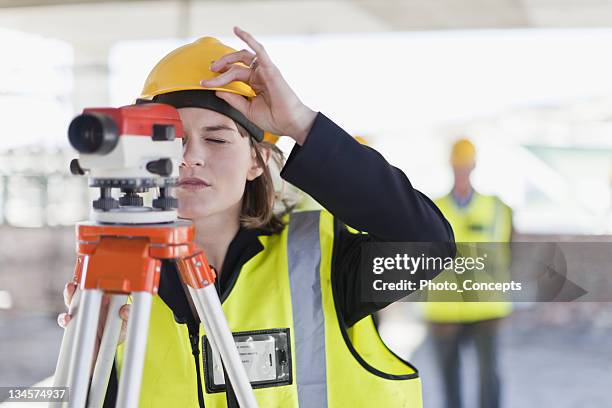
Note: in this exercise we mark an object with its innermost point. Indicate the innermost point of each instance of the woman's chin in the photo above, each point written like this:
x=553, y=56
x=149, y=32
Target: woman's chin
x=190, y=207
x=190, y=213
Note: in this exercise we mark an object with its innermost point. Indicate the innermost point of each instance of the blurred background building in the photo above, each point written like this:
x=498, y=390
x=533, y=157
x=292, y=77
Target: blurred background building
x=527, y=80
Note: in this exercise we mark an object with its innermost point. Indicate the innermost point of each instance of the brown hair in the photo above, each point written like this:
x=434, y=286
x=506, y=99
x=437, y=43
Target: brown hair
x=259, y=194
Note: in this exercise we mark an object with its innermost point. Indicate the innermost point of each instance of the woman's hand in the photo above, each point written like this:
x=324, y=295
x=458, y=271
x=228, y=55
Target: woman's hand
x=124, y=312
x=276, y=108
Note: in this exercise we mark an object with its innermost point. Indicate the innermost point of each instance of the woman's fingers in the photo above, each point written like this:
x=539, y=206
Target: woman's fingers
x=124, y=313
x=69, y=293
x=236, y=101
x=234, y=73
x=227, y=63
x=244, y=56
x=122, y=333
x=63, y=319
x=260, y=51
x=276, y=108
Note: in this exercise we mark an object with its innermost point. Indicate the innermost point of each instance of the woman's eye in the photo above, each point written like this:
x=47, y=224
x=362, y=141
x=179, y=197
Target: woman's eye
x=216, y=141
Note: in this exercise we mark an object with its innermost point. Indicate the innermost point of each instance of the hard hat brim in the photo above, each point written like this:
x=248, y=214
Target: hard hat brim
x=162, y=91
x=206, y=99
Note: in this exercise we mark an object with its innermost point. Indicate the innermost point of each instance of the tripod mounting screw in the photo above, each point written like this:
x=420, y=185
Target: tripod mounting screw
x=131, y=199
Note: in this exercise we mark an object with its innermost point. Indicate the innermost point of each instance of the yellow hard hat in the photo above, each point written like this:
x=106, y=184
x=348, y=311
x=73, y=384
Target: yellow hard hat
x=463, y=153
x=175, y=80
x=185, y=67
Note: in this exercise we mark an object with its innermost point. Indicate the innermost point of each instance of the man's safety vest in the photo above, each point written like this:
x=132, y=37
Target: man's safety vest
x=295, y=345
x=484, y=219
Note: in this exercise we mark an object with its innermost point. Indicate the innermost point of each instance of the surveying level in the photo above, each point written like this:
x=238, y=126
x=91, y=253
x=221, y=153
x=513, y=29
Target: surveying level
x=119, y=253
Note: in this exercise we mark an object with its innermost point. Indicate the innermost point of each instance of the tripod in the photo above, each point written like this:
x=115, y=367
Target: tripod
x=126, y=259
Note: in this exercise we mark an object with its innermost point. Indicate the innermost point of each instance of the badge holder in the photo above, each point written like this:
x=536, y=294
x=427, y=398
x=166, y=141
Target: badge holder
x=265, y=354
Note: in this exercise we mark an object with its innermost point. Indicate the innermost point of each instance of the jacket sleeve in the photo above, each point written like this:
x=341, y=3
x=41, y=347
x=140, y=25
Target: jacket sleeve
x=359, y=187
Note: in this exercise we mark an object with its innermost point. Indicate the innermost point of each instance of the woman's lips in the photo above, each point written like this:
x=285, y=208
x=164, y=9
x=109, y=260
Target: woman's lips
x=192, y=183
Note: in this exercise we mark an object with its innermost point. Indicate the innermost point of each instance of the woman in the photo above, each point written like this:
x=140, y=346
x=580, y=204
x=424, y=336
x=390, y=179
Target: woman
x=289, y=285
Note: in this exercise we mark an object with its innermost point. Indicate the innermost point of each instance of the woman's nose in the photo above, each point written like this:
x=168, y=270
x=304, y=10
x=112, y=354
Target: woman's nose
x=191, y=160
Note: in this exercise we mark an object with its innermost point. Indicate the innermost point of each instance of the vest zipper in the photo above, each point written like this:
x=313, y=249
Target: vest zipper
x=194, y=338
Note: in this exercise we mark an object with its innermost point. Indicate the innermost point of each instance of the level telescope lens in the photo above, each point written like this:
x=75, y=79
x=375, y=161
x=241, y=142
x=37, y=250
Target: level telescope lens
x=93, y=133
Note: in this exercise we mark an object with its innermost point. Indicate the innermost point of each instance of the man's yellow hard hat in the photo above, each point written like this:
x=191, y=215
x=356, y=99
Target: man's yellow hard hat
x=463, y=153
x=175, y=80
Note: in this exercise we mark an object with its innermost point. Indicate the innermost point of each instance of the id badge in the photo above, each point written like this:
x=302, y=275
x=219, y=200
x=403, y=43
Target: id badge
x=265, y=355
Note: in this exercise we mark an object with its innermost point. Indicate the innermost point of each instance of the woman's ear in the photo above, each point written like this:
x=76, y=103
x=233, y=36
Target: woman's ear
x=257, y=165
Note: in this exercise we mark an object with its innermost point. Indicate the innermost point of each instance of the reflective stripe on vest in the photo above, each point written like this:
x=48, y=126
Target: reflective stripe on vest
x=304, y=257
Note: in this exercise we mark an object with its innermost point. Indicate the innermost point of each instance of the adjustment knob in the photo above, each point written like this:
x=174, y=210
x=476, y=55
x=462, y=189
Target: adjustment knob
x=75, y=168
x=163, y=167
x=165, y=203
x=131, y=199
x=105, y=203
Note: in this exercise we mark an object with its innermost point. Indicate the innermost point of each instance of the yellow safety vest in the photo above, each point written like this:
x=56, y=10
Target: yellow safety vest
x=484, y=219
x=288, y=285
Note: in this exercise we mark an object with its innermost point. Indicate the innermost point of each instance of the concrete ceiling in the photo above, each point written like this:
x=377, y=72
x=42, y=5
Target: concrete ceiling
x=92, y=27
x=103, y=20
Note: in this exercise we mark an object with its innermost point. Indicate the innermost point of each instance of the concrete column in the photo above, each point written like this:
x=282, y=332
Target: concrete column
x=91, y=74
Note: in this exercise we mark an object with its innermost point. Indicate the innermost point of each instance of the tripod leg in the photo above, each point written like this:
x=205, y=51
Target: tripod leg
x=211, y=314
x=84, y=342
x=135, y=347
x=60, y=379
x=204, y=319
x=230, y=394
x=106, y=355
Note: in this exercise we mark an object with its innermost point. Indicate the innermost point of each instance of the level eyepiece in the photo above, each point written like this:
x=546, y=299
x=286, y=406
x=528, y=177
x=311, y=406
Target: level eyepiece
x=93, y=133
